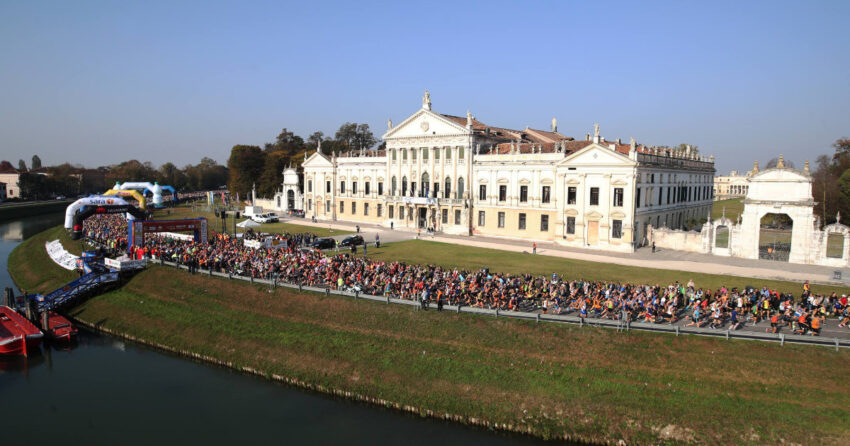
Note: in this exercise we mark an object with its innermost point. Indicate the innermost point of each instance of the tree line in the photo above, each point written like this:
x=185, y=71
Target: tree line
x=42, y=182
x=831, y=183
x=250, y=164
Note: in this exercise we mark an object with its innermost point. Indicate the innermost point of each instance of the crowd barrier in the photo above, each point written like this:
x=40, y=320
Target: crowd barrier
x=619, y=325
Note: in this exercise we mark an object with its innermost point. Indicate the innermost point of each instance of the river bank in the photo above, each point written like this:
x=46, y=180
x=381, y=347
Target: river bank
x=11, y=211
x=553, y=381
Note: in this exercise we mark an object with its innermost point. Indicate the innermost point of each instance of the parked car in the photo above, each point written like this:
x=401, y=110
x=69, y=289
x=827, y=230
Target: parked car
x=60, y=197
x=351, y=240
x=273, y=216
x=264, y=218
x=324, y=243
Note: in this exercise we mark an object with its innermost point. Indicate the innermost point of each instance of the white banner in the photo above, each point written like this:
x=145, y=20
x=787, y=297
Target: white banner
x=59, y=255
x=124, y=265
x=174, y=235
x=419, y=200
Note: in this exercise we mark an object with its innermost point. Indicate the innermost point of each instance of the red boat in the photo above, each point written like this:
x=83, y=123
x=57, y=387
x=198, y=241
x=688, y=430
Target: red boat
x=17, y=334
x=59, y=328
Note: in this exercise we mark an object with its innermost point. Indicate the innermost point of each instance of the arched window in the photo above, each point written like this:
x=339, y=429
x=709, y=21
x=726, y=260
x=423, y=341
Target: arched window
x=425, y=181
x=404, y=186
x=393, y=185
x=460, y=188
x=448, y=192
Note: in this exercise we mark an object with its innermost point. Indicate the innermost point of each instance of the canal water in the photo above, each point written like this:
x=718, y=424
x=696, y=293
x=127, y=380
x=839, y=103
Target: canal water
x=106, y=391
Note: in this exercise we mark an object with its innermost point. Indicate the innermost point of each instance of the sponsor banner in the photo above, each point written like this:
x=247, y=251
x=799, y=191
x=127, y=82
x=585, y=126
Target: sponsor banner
x=267, y=243
x=59, y=255
x=419, y=200
x=124, y=265
x=253, y=244
x=176, y=236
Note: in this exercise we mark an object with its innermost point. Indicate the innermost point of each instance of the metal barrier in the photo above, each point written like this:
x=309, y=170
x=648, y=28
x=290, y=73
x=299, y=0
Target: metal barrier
x=622, y=324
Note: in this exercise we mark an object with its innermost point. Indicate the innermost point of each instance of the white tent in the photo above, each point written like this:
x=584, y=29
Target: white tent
x=248, y=224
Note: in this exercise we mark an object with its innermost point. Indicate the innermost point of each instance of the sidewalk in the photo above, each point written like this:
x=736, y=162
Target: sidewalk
x=643, y=258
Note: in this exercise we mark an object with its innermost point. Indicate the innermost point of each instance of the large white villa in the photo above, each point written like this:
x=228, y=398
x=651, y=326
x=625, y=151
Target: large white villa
x=458, y=175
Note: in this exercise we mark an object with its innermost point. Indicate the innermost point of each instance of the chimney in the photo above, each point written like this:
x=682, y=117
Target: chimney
x=618, y=141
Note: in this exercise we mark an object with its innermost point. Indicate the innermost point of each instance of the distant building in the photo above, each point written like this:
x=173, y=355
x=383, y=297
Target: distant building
x=458, y=175
x=11, y=178
x=734, y=185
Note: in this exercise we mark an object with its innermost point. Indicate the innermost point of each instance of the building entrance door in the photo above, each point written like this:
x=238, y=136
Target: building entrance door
x=423, y=218
x=592, y=232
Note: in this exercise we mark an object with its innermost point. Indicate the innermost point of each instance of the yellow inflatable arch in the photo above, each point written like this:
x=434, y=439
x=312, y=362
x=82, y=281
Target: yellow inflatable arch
x=128, y=193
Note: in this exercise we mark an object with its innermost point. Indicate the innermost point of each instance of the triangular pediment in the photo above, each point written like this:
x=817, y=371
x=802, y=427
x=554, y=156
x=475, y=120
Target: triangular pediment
x=317, y=160
x=425, y=123
x=596, y=155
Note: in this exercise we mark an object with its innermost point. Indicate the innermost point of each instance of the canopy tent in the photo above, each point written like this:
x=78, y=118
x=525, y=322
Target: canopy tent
x=248, y=224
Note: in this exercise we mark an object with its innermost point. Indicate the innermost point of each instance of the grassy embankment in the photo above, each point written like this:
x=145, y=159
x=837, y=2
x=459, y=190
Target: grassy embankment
x=186, y=211
x=590, y=384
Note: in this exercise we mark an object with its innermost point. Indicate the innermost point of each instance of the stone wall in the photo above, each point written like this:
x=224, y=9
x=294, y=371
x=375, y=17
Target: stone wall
x=679, y=240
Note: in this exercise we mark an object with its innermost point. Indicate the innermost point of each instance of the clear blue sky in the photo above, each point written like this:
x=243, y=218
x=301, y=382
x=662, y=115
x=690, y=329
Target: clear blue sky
x=97, y=82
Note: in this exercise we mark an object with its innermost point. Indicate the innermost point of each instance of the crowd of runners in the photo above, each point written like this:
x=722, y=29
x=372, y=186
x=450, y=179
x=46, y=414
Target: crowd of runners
x=294, y=261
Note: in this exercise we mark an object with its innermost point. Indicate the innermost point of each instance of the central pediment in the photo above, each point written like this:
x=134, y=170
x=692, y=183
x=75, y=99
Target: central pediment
x=425, y=123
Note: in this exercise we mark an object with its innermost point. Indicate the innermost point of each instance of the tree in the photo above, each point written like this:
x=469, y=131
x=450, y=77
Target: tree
x=355, y=136
x=844, y=193
x=36, y=162
x=315, y=138
x=245, y=166
x=272, y=176
x=22, y=166
x=842, y=147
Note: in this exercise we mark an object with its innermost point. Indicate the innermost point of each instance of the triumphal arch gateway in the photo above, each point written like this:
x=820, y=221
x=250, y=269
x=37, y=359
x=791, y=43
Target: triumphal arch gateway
x=779, y=191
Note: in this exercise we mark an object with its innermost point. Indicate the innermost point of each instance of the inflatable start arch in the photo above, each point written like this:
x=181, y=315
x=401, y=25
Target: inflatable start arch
x=84, y=208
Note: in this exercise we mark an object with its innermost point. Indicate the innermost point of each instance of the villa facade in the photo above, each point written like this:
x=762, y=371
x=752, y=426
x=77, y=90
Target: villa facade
x=457, y=175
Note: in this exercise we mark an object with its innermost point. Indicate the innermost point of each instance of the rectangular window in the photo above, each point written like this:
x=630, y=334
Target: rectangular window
x=401, y=212
x=436, y=154
x=425, y=154
x=501, y=219
x=381, y=188
x=544, y=223
x=503, y=192
x=380, y=210
x=353, y=208
x=571, y=195
x=618, y=197
x=368, y=187
x=637, y=198
x=523, y=194
x=310, y=186
x=571, y=225
x=365, y=208
x=354, y=187
x=391, y=210
x=310, y=204
x=327, y=187
x=342, y=187
x=460, y=152
x=480, y=218
x=404, y=155
x=594, y=196
x=341, y=207
x=546, y=194
x=457, y=216
x=448, y=153
x=522, y=221
x=445, y=216
x=617, y=229
x=482, y=192
x=327, y=206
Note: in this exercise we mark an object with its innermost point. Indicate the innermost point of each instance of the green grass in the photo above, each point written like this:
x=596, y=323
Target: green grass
x=734, y=208
x=449, y=255
x=215, y=223
x=555, y=380
x=33, y=269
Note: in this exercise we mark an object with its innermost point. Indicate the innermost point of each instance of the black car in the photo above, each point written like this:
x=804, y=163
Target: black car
x=324, y=243
x=351, y=240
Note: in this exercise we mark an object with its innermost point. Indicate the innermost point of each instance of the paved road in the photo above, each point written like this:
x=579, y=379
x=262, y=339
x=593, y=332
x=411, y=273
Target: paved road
x=643, y=257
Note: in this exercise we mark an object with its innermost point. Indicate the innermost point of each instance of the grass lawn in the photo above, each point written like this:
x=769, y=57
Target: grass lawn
x=589, y=383
x=734, y=208
x=33, y=269
x=186, y=211
x=449, y=255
